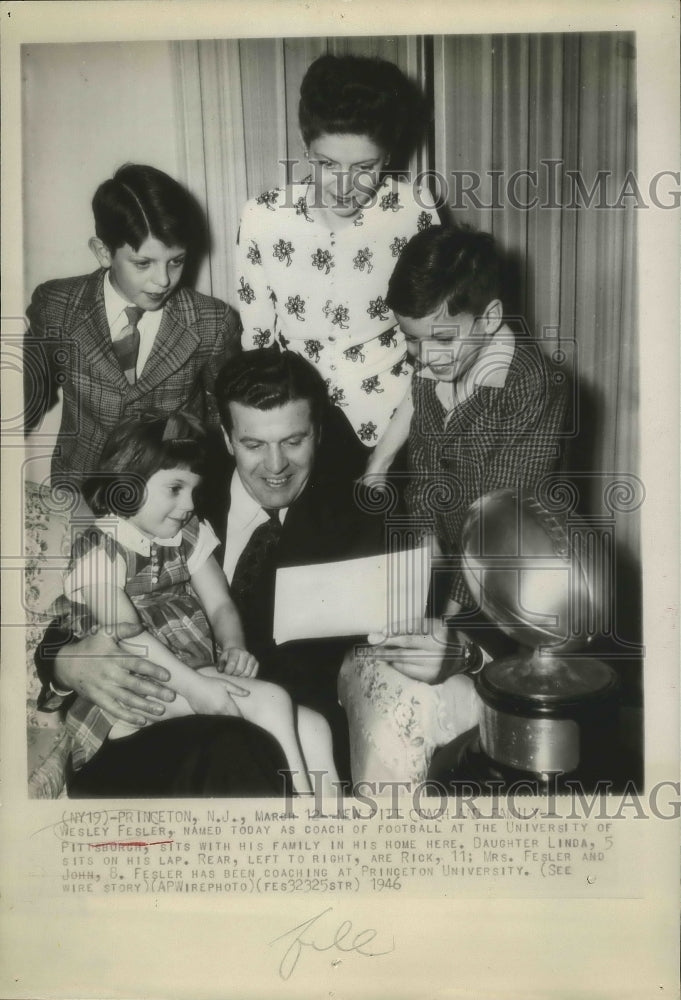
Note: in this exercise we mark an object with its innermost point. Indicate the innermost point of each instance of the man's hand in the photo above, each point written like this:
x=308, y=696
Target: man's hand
x=429, y=654
x=128, y=687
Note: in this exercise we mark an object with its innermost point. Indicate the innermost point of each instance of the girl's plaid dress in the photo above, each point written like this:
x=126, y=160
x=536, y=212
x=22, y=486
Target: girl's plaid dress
x=157, y=578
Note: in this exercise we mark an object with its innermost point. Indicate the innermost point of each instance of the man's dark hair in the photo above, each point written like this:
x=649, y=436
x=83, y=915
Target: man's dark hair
x=459, y=266
x=267, y=378
x=141, y=201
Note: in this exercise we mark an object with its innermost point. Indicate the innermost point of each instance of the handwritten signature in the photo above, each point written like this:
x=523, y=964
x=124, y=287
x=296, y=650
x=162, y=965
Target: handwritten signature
x=337, y=939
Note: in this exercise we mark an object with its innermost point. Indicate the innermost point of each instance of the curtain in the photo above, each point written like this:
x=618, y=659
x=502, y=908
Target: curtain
x=512, y=108
x=522, y=121
x=529, y=118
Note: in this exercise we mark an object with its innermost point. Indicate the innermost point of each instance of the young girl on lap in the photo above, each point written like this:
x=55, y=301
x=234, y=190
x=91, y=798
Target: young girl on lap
x=148, y=559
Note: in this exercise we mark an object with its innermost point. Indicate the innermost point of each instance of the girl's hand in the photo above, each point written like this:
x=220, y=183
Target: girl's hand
x=215, y=696
x=238, y=662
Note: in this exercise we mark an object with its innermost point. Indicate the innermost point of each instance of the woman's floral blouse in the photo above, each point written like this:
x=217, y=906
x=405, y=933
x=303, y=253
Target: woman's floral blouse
x=322, y=292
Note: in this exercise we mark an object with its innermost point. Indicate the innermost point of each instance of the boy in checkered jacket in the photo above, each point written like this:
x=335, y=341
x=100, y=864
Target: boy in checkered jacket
x=485, y=412
x=129, y=337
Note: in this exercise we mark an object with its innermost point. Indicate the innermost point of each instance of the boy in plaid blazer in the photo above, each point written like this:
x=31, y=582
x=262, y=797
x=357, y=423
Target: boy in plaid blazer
x=126, y=338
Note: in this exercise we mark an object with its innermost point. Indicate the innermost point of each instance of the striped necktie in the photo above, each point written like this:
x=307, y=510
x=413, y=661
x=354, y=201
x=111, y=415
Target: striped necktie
x=127, y=346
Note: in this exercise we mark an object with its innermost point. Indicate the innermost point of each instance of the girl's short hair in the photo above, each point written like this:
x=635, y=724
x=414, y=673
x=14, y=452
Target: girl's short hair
x=141, y=201
x=356, y=95
x=139, y=447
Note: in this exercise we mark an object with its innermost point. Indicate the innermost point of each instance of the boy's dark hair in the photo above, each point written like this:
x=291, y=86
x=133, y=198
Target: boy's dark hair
x=141, y=201
x=140, y=446
x=267, y=378
x=459, y=266
x=356, y=95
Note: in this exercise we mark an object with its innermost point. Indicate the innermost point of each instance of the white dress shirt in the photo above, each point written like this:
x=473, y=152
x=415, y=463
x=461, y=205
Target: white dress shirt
x=148, y=324
x=245, y=514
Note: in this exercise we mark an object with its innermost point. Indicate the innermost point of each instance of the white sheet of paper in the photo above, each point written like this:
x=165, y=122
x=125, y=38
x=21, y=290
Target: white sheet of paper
x=352, y=597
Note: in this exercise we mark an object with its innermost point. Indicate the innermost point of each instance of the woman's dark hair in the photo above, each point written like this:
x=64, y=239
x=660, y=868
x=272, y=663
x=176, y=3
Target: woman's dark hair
x=459, y=266
x=355, y=95
x=138, y=448
x=267, y=378
x=141, y=201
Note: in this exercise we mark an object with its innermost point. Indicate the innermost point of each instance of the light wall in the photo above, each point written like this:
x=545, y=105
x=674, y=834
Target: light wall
x=87, y=109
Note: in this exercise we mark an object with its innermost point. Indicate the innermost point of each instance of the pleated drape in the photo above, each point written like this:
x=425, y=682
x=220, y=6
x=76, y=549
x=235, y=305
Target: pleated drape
x=528, y=118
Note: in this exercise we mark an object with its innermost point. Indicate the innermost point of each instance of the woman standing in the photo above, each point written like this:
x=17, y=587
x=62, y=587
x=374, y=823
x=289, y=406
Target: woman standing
x=315, y=257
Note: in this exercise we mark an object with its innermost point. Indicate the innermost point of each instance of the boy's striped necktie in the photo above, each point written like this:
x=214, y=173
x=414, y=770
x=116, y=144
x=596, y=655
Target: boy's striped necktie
x=127, y=346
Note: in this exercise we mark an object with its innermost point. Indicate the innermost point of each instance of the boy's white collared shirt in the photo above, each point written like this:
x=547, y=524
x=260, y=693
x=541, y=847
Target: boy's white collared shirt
x=148, y=324
x=245, y=515
x=489, y=369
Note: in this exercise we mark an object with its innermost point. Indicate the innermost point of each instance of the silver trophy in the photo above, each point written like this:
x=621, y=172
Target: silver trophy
x=551, y=709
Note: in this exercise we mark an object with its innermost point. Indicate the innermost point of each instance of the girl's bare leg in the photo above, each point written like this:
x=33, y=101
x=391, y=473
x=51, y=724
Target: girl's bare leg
x=317, y=743
x=270, y=707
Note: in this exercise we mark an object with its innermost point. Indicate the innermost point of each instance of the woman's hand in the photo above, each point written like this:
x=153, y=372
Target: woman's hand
x=427, y=655
x=128, y=687
x=377, y=469
x=389, y=444
x=215, y=696
x=237, y=662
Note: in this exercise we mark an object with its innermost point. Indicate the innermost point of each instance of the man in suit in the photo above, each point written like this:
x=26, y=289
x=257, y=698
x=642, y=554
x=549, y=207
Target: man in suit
x=273, y=510
x=278, y=425
x=127, y=338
